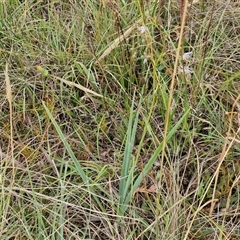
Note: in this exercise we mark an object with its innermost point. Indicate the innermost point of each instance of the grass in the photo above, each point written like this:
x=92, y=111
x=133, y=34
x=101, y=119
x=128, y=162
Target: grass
x=102, y=133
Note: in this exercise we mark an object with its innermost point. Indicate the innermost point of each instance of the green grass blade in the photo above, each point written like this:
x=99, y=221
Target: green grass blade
x=127, y=155
x=127, y=174
x=152, y=160
x=67, y=146
x=131, y=133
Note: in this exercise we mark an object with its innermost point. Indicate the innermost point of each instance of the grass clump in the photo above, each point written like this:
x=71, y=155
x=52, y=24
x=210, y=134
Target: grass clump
x=119, y=120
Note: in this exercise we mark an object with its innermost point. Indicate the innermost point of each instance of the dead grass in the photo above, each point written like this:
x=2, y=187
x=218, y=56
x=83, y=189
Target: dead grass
x=85, y=124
